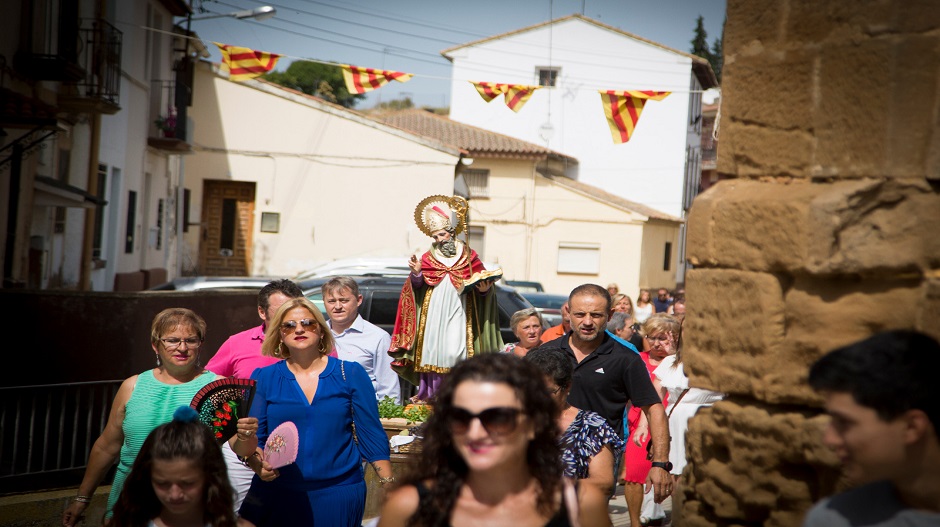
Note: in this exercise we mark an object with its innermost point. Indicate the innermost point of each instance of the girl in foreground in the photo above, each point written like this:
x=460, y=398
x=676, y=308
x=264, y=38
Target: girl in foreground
x=490, y=456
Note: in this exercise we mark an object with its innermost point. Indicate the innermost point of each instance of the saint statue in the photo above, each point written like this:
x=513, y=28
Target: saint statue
x=447, y=310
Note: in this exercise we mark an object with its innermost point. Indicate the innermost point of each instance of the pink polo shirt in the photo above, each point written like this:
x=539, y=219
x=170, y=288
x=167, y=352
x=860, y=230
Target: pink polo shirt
x=241, y=354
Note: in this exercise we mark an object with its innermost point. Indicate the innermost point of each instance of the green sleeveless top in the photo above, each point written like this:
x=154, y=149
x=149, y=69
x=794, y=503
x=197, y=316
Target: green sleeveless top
x=151, y=404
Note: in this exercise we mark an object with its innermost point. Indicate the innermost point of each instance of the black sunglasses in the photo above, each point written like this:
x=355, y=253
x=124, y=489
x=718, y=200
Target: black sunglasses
x=499, y=420
x=292, y=324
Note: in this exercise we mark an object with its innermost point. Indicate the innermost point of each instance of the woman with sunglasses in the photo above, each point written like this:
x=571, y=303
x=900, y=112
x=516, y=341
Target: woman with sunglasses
x=332, y=403
x=490, y=456
x=146, y=401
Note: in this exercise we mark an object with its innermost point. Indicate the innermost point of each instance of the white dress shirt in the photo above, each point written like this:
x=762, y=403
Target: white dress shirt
x=367, y=344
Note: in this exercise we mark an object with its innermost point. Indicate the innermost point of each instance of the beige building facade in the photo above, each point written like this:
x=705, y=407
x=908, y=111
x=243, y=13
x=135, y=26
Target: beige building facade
x=281, y=182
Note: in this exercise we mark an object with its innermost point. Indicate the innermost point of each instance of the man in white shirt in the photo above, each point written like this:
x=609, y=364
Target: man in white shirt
x=357, y=339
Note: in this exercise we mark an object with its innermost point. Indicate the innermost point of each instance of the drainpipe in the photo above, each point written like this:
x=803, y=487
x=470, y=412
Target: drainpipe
x=89, y=237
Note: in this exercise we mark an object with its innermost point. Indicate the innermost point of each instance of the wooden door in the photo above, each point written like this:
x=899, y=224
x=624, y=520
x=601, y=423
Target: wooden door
x=228, y=222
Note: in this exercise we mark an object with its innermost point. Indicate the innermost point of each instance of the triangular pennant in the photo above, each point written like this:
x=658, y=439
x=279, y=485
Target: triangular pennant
x=623, y=110
x=246, y=63
x=516, y=95
x=361, y=80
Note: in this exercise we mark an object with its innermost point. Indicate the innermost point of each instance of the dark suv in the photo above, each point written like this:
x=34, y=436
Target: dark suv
x=380, y=301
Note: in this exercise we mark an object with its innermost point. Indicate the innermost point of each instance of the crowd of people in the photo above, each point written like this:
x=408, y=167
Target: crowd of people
x=540, y=430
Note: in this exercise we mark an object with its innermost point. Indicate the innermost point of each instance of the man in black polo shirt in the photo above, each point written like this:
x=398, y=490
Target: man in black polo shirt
x=607, y=375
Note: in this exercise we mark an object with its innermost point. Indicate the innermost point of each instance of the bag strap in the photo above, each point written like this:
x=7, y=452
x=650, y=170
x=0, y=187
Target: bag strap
x=681, y=395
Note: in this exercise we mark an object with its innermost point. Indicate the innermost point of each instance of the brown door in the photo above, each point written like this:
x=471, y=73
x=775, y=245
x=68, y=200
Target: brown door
x=227, y=217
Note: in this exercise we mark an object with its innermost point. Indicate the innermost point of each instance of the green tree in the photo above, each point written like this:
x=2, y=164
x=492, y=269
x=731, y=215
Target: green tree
x=714, y=55
x=398, y=104
x=320, y=80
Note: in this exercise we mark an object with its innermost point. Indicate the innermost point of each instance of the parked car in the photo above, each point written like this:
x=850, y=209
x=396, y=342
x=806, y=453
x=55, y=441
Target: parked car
x=380, y=296
x=196, y=283
x=524, y=286
x=548, y=304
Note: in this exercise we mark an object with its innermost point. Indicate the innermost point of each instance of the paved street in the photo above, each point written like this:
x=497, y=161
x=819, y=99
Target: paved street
x=618, y=509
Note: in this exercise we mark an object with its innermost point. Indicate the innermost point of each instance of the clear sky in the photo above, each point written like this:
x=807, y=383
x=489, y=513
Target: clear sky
x=408, y=35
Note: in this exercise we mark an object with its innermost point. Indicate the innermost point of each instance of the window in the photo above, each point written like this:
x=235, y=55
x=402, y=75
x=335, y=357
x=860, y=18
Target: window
x=547, y=76
x=667, y=257
x=186, y=198
x=477, y=239
x=478, y=182
x=131, y=220
x=270, y=222
x=158, y=243
x=580, y=258
x=229, y=221
x=384, y=308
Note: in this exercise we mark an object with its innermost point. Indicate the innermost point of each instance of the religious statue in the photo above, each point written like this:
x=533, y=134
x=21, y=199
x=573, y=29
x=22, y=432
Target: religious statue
x=447, y=310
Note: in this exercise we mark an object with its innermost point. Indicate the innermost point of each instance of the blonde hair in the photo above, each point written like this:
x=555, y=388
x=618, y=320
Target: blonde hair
x=272, y=337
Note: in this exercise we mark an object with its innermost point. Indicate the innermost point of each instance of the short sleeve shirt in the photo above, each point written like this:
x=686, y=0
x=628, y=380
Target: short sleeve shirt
x=607, y=379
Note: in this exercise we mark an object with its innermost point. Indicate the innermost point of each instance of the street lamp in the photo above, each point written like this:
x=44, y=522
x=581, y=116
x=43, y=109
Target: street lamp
x=258, y=13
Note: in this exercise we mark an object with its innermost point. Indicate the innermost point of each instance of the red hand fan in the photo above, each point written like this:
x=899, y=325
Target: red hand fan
x=221, y=403
x=281, y=447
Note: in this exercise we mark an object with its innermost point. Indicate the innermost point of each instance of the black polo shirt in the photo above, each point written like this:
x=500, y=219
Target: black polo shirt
x=607, y=378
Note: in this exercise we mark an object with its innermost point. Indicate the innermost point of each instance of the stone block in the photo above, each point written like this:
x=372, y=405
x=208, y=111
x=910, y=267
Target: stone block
x=733, y=336
x=863, y=227
x=874, y=227
x=755, y=465
x=853, y=118
x=760, y=82
x=751, y=225
x=749, y=23
x=912, y=131
x=928, y=316
x=758, y=151
x=811, y=22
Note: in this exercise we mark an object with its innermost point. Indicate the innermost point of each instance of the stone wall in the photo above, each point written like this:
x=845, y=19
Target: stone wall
x=830, y=133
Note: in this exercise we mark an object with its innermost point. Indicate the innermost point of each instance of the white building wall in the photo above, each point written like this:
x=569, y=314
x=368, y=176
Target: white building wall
x=344, y=186
x=648, y=169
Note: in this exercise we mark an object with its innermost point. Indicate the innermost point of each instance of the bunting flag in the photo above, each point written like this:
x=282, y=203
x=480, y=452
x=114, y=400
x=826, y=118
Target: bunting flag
x=361, y=80
x=623, y=110
x=246, y=63
x=516, y=94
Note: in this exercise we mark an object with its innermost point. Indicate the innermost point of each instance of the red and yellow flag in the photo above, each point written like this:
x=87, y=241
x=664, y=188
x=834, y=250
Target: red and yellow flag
x=516, y=94
x=623, y=110
x=246, y=63
x=361, y=80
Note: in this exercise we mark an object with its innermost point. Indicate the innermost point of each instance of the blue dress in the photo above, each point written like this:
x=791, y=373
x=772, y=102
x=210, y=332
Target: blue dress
x=326, y=485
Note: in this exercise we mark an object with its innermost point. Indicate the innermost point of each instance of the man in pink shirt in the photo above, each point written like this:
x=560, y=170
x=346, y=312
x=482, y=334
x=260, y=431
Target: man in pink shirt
x=240, y=355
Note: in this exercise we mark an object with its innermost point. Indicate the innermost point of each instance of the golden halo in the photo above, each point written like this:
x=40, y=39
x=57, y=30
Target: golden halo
x=454, y=203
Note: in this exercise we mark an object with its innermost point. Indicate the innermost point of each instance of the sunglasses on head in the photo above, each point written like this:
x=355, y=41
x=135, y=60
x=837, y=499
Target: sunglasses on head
x=292, y=324
x=499, y=420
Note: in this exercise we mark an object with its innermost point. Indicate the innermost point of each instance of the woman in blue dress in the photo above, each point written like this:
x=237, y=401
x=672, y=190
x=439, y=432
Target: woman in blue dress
x=325, y=398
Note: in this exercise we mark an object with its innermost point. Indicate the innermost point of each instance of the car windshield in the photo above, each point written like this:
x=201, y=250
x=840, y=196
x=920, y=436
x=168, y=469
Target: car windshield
x=546, y=301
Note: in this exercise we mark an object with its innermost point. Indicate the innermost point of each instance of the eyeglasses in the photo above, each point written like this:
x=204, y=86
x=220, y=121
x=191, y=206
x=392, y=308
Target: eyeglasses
x=555, y=391
x=497, y=421
x=172, y=343
x=291, y=325
x=661, y=338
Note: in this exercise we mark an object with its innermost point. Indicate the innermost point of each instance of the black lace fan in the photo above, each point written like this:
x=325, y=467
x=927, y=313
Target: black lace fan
x=222, y=403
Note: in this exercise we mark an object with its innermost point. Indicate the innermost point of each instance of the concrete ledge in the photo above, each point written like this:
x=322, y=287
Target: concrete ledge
x=40, y=509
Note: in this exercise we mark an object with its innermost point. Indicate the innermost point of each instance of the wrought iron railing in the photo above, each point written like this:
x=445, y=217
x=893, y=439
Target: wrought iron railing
x=47, y=431
x=100, y=56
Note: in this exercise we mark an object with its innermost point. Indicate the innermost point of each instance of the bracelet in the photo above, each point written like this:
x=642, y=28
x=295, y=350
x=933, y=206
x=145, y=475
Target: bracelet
x=82, y=499
x=390, y=479
x=244, y=459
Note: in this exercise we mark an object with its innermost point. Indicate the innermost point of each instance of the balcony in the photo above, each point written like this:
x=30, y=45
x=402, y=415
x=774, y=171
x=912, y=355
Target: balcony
x=99, y=89
x=168, y=128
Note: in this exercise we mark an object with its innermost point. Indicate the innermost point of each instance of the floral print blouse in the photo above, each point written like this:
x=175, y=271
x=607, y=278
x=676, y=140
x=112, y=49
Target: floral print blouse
x=587, y=434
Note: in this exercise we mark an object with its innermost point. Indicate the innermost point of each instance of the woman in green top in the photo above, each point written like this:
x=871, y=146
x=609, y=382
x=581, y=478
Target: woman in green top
x=147, y=400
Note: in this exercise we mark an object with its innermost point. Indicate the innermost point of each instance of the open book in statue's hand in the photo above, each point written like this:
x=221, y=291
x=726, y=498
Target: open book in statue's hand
x=486, y=275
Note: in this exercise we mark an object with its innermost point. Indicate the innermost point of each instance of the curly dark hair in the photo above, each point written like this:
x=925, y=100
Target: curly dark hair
x=441, y=463
x=185, y=437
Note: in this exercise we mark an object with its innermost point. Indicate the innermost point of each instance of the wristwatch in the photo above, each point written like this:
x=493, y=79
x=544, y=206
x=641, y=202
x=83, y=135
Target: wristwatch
x=665, y=465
